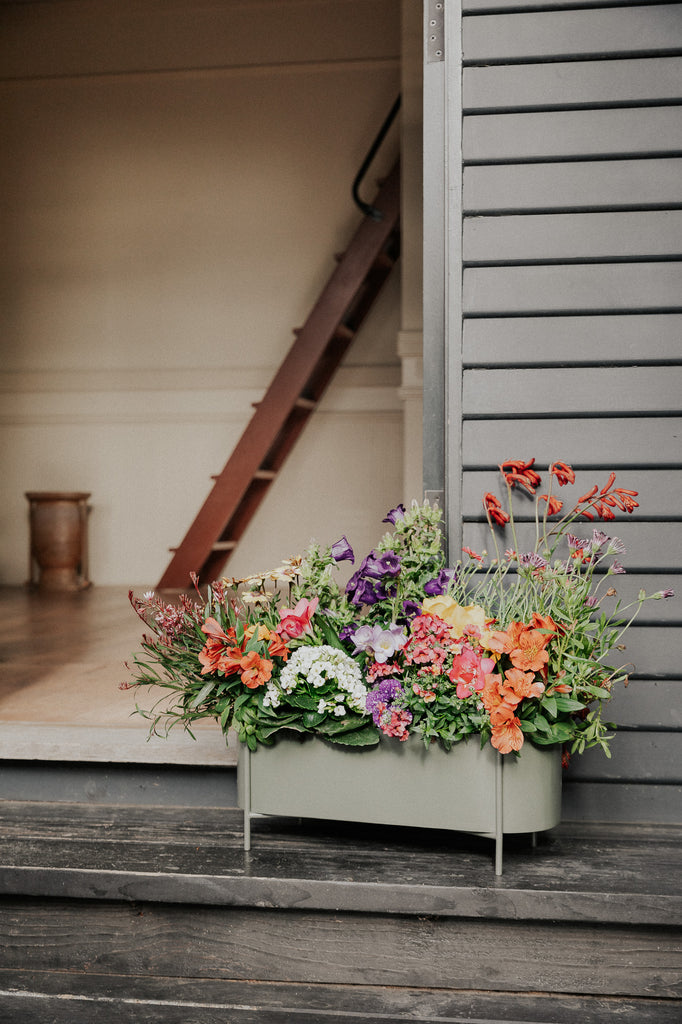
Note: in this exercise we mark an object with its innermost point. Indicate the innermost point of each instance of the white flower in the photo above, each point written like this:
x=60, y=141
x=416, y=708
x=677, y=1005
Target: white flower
x=321, y=667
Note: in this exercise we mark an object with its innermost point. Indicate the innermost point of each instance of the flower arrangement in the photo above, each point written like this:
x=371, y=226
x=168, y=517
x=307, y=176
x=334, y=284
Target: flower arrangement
x=510, y=649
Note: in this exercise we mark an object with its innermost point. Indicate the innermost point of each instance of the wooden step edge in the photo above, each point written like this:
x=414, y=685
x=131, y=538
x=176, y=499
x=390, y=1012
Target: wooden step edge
x=264, y=474
x=224, y=545
x=305, y=403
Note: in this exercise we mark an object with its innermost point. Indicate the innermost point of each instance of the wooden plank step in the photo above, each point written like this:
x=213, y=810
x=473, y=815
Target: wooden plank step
x=348, y=948
x=577, y=873
x=78, y=998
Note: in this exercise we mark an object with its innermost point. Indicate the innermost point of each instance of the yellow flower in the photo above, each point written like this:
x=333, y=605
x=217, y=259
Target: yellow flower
x=456, y=615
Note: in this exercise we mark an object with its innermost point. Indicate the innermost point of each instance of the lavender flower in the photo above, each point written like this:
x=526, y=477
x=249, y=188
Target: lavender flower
x=382, y=643
x=663, y=594
x=616, y=568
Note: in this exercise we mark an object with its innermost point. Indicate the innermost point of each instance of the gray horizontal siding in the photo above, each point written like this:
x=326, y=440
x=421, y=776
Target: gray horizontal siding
x=600, y=390
x=555, y=34
x=589, y=288
x=650, y=547
x=572, y=340
x=572, y=306
x=573, y=134
x=573, y=236
x=576, y=185
x=658, y=491
x=589, y=441
x=572, y=84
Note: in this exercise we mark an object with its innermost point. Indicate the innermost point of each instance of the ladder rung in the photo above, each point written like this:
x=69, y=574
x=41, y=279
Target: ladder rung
x=305, y=403
x=344, y=332
x=224, y=545
x=264, y=474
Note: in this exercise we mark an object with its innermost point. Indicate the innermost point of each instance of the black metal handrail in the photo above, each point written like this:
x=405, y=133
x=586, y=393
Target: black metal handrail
x=367, y=208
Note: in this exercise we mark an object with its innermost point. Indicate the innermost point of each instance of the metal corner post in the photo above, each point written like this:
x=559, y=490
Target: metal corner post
x=443, y=262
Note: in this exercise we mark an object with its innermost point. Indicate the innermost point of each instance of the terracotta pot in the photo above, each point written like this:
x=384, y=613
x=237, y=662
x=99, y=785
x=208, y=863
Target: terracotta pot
x=58, y=522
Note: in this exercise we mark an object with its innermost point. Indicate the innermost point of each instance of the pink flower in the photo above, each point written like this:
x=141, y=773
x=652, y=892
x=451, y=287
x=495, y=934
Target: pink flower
x=469, y=671
x=296, y=621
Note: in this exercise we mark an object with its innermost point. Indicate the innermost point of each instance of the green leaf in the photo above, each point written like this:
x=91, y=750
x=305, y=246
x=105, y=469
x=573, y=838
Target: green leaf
x=550, y=706
x=366, y=737
x=568, y=704
x=202, y=694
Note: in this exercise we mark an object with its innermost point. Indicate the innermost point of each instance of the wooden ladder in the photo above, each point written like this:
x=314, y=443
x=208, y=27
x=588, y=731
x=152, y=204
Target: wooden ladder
x=294, y=393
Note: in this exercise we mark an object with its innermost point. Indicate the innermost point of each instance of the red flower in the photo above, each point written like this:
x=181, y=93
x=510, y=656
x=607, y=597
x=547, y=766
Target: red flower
x=494, y=510
x=554, y=505
x=516, y=471
x=563, y=472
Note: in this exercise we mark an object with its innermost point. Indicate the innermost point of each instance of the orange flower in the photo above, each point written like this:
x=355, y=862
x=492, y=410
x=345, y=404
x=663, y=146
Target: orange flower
x=255, y=670
x=544, y=622
x=521, y=684
x=530, y=654
x=507, y=734
x=491, y=695
x=504, y=642
x=219, y=653
x=277, y=647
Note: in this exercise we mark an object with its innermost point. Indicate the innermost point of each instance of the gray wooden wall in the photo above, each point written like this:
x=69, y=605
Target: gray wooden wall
x=572, y=313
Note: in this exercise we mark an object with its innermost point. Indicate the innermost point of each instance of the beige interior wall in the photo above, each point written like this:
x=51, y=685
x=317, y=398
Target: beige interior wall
x=174, y=182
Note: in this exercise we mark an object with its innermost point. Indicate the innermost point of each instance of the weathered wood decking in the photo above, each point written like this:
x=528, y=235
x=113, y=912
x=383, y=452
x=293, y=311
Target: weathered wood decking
x=157, y=914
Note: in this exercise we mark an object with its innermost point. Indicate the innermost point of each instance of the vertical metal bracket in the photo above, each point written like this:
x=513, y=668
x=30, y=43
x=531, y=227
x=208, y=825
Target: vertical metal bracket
x=435, y=31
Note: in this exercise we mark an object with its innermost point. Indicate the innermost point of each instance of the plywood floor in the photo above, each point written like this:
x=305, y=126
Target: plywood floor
x=62, y=657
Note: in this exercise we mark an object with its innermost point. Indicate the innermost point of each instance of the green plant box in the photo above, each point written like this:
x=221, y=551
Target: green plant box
x=469, y=789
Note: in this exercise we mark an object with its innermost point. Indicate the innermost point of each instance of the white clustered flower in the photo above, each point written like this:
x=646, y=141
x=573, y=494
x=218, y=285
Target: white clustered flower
x=320, y=666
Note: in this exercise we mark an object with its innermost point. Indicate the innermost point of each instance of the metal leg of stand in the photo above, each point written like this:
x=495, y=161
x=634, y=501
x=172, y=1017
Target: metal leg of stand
x=499, y=823
x=246, y=791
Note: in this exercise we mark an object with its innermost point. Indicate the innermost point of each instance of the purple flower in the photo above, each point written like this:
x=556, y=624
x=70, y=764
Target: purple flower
x=411, y=609
x=440, y=583
x=381, y=697
x=592, y=601
x=616, y=546
x=363, y=592
x=663, y=594
x=342, y=551
x=616, y=568
x=377, y=566
x=395, y=514
x=599, y=538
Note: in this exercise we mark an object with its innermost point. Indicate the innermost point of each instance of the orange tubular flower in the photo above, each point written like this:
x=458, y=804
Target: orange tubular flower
x=563, y=472
x=554, y=505
x=516, y=471
x=494, y=510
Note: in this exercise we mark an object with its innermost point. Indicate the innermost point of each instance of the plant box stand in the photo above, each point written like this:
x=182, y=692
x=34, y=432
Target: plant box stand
x=470, y=789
